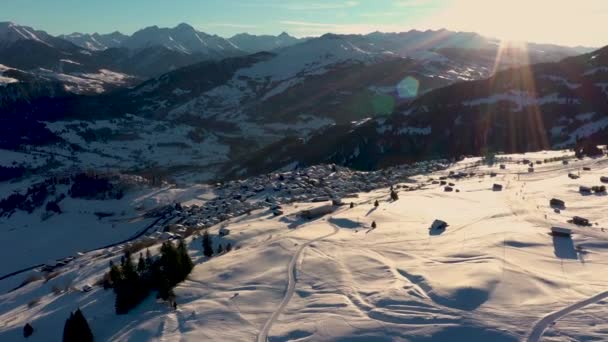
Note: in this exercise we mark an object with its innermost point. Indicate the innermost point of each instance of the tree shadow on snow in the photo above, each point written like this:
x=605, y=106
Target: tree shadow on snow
x=436, y=231
x=563, y=247
x=371, y=211
x=344, y=223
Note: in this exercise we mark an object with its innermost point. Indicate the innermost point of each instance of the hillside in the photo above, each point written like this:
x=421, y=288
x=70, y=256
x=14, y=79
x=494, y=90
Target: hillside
x=542, y=106
x=493, y=274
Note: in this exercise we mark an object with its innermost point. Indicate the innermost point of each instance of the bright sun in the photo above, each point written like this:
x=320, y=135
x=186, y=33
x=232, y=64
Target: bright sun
x=558, y=21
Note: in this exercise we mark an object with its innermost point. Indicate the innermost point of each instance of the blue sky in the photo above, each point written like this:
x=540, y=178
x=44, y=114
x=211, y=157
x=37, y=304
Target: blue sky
x=551, y=21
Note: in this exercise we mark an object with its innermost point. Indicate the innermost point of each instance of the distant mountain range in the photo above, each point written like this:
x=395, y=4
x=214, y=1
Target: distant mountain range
x=224, y=100
x=183, y=38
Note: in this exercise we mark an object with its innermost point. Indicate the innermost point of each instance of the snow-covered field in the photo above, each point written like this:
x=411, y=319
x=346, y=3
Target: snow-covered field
x=495, y=274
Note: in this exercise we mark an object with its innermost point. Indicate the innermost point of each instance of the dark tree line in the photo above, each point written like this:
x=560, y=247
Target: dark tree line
x=133, y=283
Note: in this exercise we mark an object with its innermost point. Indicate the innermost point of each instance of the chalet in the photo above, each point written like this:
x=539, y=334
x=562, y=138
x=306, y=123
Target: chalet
x=530, y=169
x=573, y=176
x=580, y=221
x=565, y=162
x=586, y=169
x=559, y=231
x=554, y=202
x=448, y=189
x=497, y=187
x=337, y=202
x=503, y=166
x=599, y=189
x=438, y=225
x=224, y=231
x=604, y=179
x=317, y=212
x=492, y=174
x=320, y=199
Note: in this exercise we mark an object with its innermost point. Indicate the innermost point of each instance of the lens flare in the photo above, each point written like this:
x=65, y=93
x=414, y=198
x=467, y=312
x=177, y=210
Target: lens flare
x=408, y=87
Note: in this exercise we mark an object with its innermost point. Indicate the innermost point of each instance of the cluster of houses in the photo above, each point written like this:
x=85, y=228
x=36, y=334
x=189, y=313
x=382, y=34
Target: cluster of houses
x=319, y=183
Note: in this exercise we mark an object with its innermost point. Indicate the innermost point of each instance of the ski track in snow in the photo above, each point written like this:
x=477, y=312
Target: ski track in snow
x=170, y=328
x=542, y=325
x=291, y=286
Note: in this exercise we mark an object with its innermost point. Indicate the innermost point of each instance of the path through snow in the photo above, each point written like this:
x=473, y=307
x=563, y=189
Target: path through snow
x=291, y=286
x=542, y=325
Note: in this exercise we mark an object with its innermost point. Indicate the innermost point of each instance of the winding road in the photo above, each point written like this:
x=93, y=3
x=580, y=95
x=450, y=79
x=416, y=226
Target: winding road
x=539, y=328
x=133, y=237
x=291, y=286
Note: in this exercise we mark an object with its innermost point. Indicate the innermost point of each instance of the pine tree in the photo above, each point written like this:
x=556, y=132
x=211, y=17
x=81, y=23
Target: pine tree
x=376, y=204
x=148, y=259
x=185, y=262
x=130, y=289
x=170, y=263
x=115, y=275
x=352, y=205
x=141, y=264
x=164, y=288
x=28, y=330
x=394, y=195
x=207, y=245
x=374, y=224
x=77, y=328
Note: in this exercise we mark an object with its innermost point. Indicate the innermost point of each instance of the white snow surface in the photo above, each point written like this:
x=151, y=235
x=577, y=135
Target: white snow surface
x=495, y=274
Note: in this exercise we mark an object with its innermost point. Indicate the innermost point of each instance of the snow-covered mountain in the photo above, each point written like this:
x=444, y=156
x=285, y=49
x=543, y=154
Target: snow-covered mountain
x=11, y=33
x=239, y=105
x=96, y=41
x=183, y=38
x=253, y=43
x=549, y=105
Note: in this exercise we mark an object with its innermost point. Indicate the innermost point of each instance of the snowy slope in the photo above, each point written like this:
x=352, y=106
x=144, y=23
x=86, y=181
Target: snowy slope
x=495, y=274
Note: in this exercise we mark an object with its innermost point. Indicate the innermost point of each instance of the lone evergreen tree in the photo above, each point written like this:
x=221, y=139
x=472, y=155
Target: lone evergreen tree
x=374, y=224
x=376, y=204
x=352, y=205
x=77, y=328
x=28, y=330
x=394, y=195
x=207, y=245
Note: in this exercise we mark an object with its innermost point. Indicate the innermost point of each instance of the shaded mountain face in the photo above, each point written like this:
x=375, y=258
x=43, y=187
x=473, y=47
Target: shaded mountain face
x=549, y=105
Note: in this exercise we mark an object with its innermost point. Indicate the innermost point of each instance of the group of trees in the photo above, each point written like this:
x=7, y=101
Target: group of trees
x=92, y=186
x=133, y=283
x=208, y=246
x=76, y=328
